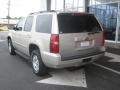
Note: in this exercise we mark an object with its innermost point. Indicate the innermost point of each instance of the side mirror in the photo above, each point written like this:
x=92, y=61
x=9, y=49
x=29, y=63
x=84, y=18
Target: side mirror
x=17, y=28
x=14, y=28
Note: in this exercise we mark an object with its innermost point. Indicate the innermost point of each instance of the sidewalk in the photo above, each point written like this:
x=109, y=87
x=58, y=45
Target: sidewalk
x=113, y=50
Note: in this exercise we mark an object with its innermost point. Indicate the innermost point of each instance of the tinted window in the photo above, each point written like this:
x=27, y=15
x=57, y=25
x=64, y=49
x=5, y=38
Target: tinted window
x=74, y=23
x=28, y=23
x=44, y=23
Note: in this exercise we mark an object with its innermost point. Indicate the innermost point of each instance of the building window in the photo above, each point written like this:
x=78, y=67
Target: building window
x=107, y=15
x=74, y=5
x=67, y=5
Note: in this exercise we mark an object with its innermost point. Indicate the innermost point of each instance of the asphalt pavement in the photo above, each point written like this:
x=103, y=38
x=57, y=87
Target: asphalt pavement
x=16, y=74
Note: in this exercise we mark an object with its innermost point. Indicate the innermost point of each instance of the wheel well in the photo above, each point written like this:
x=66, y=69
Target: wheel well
x=33, y=47
x=8, y=38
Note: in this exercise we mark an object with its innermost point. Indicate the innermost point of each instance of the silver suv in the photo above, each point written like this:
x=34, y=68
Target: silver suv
x=57, y=40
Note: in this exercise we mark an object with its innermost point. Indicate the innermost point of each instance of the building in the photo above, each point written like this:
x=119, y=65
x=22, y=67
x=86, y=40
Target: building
x=106, y=11
x=11, y=21
x=4, y=23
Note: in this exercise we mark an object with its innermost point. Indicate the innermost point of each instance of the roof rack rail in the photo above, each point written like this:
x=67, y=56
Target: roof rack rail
x=42, y=12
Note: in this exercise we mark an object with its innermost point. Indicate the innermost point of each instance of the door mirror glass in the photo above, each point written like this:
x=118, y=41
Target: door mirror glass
x=14, y=28
x=17, y=28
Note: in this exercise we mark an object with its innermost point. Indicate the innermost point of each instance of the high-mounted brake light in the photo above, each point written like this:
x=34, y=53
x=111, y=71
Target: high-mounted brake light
x=54, y=43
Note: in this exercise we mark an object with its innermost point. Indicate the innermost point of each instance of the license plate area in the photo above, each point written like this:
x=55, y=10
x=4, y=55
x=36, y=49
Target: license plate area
x=82, y=45
x=87, y=43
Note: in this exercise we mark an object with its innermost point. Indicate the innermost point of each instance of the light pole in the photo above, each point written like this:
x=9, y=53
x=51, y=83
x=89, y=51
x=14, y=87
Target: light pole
x=64, y=5
x=48, y=5
x=8, y=12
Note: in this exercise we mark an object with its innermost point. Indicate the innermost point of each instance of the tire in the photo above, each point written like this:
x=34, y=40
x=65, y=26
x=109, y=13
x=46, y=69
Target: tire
x=11, y=48
x=37, y=65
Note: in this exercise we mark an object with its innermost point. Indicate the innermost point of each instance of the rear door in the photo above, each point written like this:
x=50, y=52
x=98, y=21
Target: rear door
x=80, y=35
x=26, y=34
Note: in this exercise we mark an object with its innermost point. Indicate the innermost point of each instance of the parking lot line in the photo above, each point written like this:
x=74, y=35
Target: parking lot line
x=68, y=78
x=2, y=40
x=116, y=58
x=112, y=70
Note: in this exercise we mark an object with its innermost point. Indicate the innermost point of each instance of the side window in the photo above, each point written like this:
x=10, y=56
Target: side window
x=28, y=23
x=20, y=24
x=44, y=23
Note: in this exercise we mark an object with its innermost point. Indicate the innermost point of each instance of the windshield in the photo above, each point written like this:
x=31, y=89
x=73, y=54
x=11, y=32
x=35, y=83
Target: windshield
x=75, y=23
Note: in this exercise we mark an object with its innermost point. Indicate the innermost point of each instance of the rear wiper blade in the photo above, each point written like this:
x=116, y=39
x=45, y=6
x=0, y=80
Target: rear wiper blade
x=94, y=32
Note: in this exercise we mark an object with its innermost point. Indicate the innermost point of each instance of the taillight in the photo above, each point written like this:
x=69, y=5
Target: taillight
x=54, y=43
x=103, y=39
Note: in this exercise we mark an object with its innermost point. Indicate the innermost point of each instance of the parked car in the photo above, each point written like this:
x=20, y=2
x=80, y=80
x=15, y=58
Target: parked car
x=57, y=39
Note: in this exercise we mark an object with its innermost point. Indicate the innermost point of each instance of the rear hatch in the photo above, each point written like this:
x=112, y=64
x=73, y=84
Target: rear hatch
x=80, y=35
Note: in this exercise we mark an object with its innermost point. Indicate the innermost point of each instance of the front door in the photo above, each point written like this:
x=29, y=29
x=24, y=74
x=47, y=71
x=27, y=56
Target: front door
x=16, y=34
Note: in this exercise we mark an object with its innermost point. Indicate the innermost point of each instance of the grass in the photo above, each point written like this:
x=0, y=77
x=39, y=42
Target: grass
x=3, y=28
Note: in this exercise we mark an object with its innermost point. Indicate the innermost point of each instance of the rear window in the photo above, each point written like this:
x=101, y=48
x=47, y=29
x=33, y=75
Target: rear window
x=75, y=23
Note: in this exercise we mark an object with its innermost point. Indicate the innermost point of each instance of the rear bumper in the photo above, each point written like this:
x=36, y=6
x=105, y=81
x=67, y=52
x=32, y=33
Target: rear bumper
x=78, y=56
x=55, y=61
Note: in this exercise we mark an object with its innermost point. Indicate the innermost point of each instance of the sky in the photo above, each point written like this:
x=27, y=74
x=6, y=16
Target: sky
x=19, y=8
